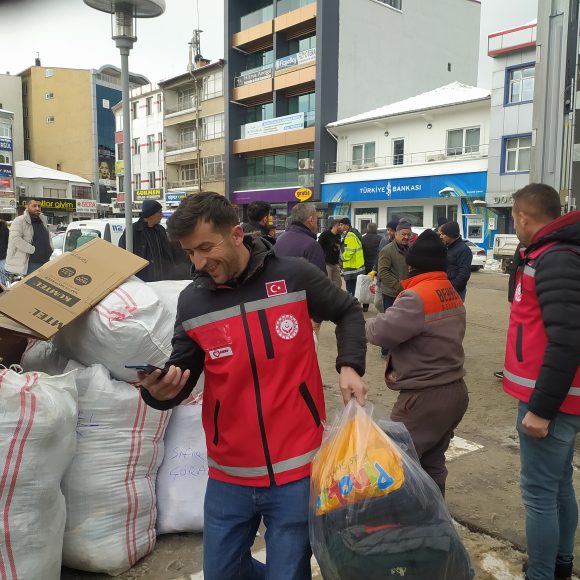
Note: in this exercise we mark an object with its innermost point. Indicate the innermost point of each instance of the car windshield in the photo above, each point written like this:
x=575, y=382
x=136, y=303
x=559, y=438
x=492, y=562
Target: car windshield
x=78, y=237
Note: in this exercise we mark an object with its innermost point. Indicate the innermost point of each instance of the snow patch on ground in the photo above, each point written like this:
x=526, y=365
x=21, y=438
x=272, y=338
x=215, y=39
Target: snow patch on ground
x=460, y=446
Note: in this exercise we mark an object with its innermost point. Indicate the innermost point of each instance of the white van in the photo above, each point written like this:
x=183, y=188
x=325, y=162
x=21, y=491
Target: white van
x=81, y=232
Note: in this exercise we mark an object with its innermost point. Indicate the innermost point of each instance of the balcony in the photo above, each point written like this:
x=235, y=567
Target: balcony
x=420, y=158
x=285, y=6
x=257, y=17
x=184, y=184
x=180, y=108
x=185, y=144
x=256, y=30
x=253, y=75
x=253, y=83
x=296, y=15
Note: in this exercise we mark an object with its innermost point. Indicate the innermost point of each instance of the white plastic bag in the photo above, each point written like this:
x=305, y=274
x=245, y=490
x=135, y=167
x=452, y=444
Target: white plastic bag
x=37, y=444
x=182, y=477
x=363, y=289
x=110, y=485
x=130, y=326
x=42, y=356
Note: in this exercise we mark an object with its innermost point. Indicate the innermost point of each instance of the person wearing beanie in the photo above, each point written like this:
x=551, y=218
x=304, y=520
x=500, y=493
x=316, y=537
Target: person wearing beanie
x=423, y=331
x=459, y=257
x=151, y=243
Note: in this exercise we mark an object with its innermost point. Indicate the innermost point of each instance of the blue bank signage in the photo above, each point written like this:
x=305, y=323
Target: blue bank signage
x=174, y=196
x=463, y=184
x=5, y=144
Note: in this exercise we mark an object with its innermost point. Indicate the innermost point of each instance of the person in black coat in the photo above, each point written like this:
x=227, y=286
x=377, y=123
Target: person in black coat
x=459, y=257
x=370, y=242
x=150, y=242
x=3, y=249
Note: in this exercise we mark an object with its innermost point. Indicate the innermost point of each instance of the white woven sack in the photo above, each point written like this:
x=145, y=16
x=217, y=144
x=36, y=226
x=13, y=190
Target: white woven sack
x=130, y=326
x=168, y=292
x=110, y=485
x=37, y=444
x=182, y=477
x=363, y=289
x=42, y=356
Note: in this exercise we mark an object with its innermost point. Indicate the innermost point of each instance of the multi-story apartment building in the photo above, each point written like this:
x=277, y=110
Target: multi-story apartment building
x=147, y=149
x=510, y=140
x=194, y=131
x=423, y=159
x=11, y=100
x=7, y=186
x=294, y=66
x=69, y=124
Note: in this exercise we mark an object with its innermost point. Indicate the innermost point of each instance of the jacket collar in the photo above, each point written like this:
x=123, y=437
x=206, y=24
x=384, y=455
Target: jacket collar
x=565, y=228
x=300, y=228
x=427, y=277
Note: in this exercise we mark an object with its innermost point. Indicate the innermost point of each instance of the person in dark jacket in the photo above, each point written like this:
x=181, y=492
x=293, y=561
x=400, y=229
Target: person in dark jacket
x=3, y=249
x=542, y=371
x=371, y=241
x=258, y=220
x=299, y=239
x=245, y=320
x=151, y=243
x=459, y=257
x=329, y=240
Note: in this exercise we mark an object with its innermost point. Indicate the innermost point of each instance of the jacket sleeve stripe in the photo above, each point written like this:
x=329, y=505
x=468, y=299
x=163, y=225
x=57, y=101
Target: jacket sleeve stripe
x=279, y=300
x=211, y=317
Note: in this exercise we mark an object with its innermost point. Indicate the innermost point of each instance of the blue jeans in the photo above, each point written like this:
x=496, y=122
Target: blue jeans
x=548, y=494
x=232, y=516
x=33, y=266
x=350, y=284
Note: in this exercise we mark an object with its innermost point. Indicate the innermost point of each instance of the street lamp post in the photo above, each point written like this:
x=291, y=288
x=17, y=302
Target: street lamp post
x=446, y=192
x=124, y=14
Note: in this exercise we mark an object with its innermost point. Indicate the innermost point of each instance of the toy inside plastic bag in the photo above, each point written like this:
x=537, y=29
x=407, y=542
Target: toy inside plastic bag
x=374, y=512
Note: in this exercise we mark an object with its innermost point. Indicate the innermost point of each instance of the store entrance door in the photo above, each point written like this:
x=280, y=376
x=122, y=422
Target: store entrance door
x=364, y=218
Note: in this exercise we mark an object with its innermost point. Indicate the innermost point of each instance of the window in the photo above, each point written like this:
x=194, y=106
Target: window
x=48, y=73
x=50, y=120
x=449, y=212
x=136, y=146
x=5, y=130
x=161, y=178
x=54, y=193
x=134, y=107
x=307, y=43
x=187, y=136
x=121, y=179
x=81, y=192
x=5, y=158
x=517, y=153
x=149, y=105
x=212, y=127
x=160, y=141
x=260, y=113
x=304, y=104
x=159, y=103
x=213, y=167
x=150, y=143
x=520, y=85
x=393, y=3
x=398, y=151
x=411, y=213
x=461, y=141
x=188, y=172
x=137, y=180
x=49, y=96
x=212, y=86
x=151, y=178
x=186, y=99
x=120, y=152
x=363, y=153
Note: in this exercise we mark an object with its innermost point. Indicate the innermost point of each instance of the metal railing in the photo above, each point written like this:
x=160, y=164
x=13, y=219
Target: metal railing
x=186, y=144
x=257, y=17
x=183, y=183
x=289, y=5
x=180, y=108
x=417, y=158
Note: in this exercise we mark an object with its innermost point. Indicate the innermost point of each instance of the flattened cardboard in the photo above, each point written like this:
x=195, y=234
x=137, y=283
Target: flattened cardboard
x=54, y=295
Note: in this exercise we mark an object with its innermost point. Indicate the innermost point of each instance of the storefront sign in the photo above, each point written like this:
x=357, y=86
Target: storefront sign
x=271, y=126
x=491, y=223
x=120, y=167
x=68, y=205
x=308, y=55
x=303, y=194
x=5, y=144
x=282, y=195
x=5, y=183
x=86, y=206
x=174, y=196
x=142, y=194
x=253, y=76
x=463, y=184
x=6, y=171
x=7, y=203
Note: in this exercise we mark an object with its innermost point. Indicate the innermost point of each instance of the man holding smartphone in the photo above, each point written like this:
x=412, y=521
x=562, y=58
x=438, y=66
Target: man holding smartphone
x=245, y=321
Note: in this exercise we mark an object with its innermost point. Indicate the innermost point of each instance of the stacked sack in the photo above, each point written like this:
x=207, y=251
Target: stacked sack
x=37, y=444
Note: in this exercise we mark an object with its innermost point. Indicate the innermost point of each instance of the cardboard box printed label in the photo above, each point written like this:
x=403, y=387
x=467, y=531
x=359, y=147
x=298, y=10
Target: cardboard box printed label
x=60, y=291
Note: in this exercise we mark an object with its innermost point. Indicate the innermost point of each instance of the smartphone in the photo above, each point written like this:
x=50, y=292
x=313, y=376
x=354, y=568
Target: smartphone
x=148, y=369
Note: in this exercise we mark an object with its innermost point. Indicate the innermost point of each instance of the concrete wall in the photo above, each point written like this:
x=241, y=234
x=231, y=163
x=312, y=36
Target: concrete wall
x=11, y=100
x=386, y=55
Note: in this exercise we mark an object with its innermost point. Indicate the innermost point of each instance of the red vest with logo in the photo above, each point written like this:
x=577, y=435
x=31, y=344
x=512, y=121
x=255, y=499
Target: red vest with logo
x=526, y=339
x=263, y=402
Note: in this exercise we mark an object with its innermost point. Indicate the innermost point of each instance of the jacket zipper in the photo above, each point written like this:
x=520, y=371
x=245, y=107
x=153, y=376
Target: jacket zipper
x=258, y=395
x=216, y=433
x=303, y=388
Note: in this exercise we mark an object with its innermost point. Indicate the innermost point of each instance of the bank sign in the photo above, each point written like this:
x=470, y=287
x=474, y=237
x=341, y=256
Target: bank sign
x=464, y=185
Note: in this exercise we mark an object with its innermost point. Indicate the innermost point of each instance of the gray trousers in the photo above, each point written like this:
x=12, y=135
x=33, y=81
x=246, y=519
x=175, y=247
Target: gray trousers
x=333, y=271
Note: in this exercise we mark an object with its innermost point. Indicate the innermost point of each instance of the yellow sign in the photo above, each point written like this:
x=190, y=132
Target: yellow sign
x=120, y=167
x=142, y=194
x=303, y=194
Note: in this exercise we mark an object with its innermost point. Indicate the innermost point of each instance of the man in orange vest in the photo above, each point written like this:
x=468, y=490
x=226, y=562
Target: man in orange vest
x=424, y=331
x=542, y=372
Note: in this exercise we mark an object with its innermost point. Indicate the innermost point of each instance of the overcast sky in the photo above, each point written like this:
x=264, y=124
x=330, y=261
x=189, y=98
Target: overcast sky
x=67, y=33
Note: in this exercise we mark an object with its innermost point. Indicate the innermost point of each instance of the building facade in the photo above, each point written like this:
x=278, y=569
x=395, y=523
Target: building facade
x=423, y=159
x=11, y=100
x=7, y=171
x=294, y=66
x=147, y=146
x=512, y=103
x=194, y=130
x=69, y=124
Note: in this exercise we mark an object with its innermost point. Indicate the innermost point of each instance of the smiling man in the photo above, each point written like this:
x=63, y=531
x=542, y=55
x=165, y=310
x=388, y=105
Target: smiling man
x=245, y=321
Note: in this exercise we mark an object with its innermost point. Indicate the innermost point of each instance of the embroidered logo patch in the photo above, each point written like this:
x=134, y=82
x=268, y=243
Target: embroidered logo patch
x=276, y=288
x=221, y=352
x=287, y=327
x=518, y=293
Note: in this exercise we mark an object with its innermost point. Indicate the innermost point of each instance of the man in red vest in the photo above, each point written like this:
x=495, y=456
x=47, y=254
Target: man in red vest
x=542, y=372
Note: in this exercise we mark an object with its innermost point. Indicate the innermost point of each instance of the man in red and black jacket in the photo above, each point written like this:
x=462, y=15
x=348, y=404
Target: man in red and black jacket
x=245, y=322
x=542, y=371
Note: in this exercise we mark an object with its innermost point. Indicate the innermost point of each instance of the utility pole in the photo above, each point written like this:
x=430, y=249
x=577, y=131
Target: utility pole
x=194, y=58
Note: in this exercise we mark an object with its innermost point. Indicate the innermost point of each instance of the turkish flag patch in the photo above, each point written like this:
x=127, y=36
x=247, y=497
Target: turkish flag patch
x=276, y=288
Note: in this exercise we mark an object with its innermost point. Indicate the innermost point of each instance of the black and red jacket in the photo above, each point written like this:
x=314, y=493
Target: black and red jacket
x=542, y=363
x=263, y=402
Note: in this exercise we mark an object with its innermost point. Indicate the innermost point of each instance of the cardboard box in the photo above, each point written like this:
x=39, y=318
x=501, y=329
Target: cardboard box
x=53, y=296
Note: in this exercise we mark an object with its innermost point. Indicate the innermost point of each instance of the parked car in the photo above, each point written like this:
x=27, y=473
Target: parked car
x=479, y=256
x=57, y=244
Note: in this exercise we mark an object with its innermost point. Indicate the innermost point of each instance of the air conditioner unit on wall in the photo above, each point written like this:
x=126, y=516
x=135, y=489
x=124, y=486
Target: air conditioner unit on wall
x=306, y=180
x=305, y=164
